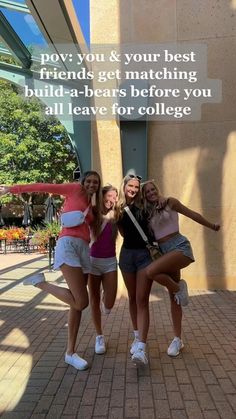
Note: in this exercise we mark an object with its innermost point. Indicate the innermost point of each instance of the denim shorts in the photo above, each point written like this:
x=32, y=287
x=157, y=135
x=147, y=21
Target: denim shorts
x=179, y=243
x=73, y=252
x=133, y=260
x=100, y=266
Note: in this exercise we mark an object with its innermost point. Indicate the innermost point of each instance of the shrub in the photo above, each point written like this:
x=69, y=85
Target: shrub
x=13, y=233
x=41, y=235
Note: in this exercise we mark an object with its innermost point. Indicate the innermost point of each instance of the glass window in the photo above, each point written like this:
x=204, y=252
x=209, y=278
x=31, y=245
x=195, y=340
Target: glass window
x=6, y=55
x=25, y=27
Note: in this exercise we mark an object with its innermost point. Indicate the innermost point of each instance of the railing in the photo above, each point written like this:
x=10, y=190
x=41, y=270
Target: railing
x=17, y=246
x=51, y=251
x=26, y=246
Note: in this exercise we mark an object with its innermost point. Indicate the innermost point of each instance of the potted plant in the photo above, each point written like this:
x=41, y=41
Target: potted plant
x=41, y=236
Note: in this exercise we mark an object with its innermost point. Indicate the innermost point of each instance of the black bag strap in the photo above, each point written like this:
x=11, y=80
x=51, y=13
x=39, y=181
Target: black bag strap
x=140, y=230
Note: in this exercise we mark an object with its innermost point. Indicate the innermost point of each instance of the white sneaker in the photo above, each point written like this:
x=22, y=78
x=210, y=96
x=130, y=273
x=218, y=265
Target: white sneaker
x=100, y=347
x=76, y=361
x=181, y=297
x=34, y=279
x=134, y=346
x=139, y=357
x=175, y=347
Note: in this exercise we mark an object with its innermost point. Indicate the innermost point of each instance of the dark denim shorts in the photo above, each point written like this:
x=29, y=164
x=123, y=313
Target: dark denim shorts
x=133, y=260
x=177, y=242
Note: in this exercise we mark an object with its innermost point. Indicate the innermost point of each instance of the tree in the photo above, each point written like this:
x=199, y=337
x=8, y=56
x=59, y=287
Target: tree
x=34, y=148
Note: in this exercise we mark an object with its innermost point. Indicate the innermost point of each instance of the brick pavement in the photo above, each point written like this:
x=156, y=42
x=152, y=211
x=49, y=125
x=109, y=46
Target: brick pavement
x=36, y=383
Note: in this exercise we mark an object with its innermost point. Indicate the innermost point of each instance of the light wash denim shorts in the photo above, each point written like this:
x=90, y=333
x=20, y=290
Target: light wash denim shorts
x=133, y=260
x=73, y=252
x=100, y=266
x=179, y=243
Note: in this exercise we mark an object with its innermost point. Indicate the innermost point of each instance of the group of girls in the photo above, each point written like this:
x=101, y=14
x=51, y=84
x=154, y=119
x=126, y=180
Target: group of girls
x=85, y=254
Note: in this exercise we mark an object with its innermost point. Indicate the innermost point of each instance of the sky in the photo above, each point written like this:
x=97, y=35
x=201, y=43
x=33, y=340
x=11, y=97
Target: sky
x=82, y=10
x=28, y=30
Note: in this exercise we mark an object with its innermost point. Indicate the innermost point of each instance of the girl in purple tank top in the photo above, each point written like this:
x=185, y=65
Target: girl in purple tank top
x=103, y=267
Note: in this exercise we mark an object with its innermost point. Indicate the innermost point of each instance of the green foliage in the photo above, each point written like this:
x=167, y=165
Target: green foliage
x=8, y=59
x=41, y=235
x=34, y=148
x=53, y=228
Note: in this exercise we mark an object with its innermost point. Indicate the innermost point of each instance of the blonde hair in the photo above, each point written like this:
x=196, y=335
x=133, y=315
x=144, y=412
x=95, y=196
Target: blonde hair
x=149, y=207
x=121, y=203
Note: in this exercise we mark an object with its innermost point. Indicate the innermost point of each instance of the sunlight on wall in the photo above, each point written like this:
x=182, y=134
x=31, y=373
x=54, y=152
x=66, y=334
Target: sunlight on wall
x=187, y=191
x=105, y=29
x=228, y=210
x=188, y=182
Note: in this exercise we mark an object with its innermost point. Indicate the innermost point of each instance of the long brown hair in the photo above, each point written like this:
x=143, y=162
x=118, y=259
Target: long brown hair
x=110, y=216
x=97, y=206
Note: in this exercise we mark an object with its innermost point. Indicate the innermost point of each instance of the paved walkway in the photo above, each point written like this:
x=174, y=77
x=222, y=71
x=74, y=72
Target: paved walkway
x=36, y=383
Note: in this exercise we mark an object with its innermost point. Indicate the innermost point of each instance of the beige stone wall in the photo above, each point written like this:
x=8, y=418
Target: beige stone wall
x=105, y=29
x=194, y=161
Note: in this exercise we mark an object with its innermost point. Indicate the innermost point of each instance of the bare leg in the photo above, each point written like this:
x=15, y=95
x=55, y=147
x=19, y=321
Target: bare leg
x=176, y=315
x=74, y=318
x=77, y=283
x=176, y=309
x=130, y=283
x=109, y=284
x=142, y=298
x=76, y=297
x=94, y=284
x=159, y=269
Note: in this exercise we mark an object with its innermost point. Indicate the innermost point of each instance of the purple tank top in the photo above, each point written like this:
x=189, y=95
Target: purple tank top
x=104, y=246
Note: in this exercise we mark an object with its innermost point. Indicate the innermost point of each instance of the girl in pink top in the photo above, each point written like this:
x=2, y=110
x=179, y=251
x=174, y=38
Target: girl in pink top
x=104, y=267
x=72, y=251
x=176, y=250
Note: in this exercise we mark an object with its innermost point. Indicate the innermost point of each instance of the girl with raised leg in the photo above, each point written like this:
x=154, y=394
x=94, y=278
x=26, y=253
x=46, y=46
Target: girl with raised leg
x=176, y=250
x=72, y=249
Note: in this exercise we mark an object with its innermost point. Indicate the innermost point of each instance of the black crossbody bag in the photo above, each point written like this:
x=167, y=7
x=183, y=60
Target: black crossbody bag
x=153, y=249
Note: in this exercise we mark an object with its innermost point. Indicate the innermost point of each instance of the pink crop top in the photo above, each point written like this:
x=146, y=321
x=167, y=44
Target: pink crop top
x=164, y=222
x=75, y=199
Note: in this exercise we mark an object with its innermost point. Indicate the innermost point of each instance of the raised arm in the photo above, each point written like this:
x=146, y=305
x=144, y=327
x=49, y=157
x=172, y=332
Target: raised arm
x=195, y=216
x=53, y=188
x=4, y=190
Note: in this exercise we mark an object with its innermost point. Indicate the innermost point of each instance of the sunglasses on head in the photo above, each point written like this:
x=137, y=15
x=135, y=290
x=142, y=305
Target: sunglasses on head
x=131, y=176
x=147, y=181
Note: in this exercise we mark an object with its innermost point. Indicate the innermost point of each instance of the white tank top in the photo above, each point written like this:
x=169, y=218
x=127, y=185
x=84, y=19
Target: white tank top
x=164, y=222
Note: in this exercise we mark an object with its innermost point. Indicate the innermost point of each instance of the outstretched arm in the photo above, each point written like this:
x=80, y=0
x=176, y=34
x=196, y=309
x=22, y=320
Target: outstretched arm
x=195, y=216
x=4, y=190
x=54, y=188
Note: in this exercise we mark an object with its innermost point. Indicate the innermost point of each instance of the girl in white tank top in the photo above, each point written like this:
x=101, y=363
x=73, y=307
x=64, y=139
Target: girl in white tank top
x=176, y=250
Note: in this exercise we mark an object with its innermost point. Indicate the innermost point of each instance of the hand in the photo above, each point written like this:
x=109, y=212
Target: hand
x=3, y=190
x=162, y=202
x=216, y=227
